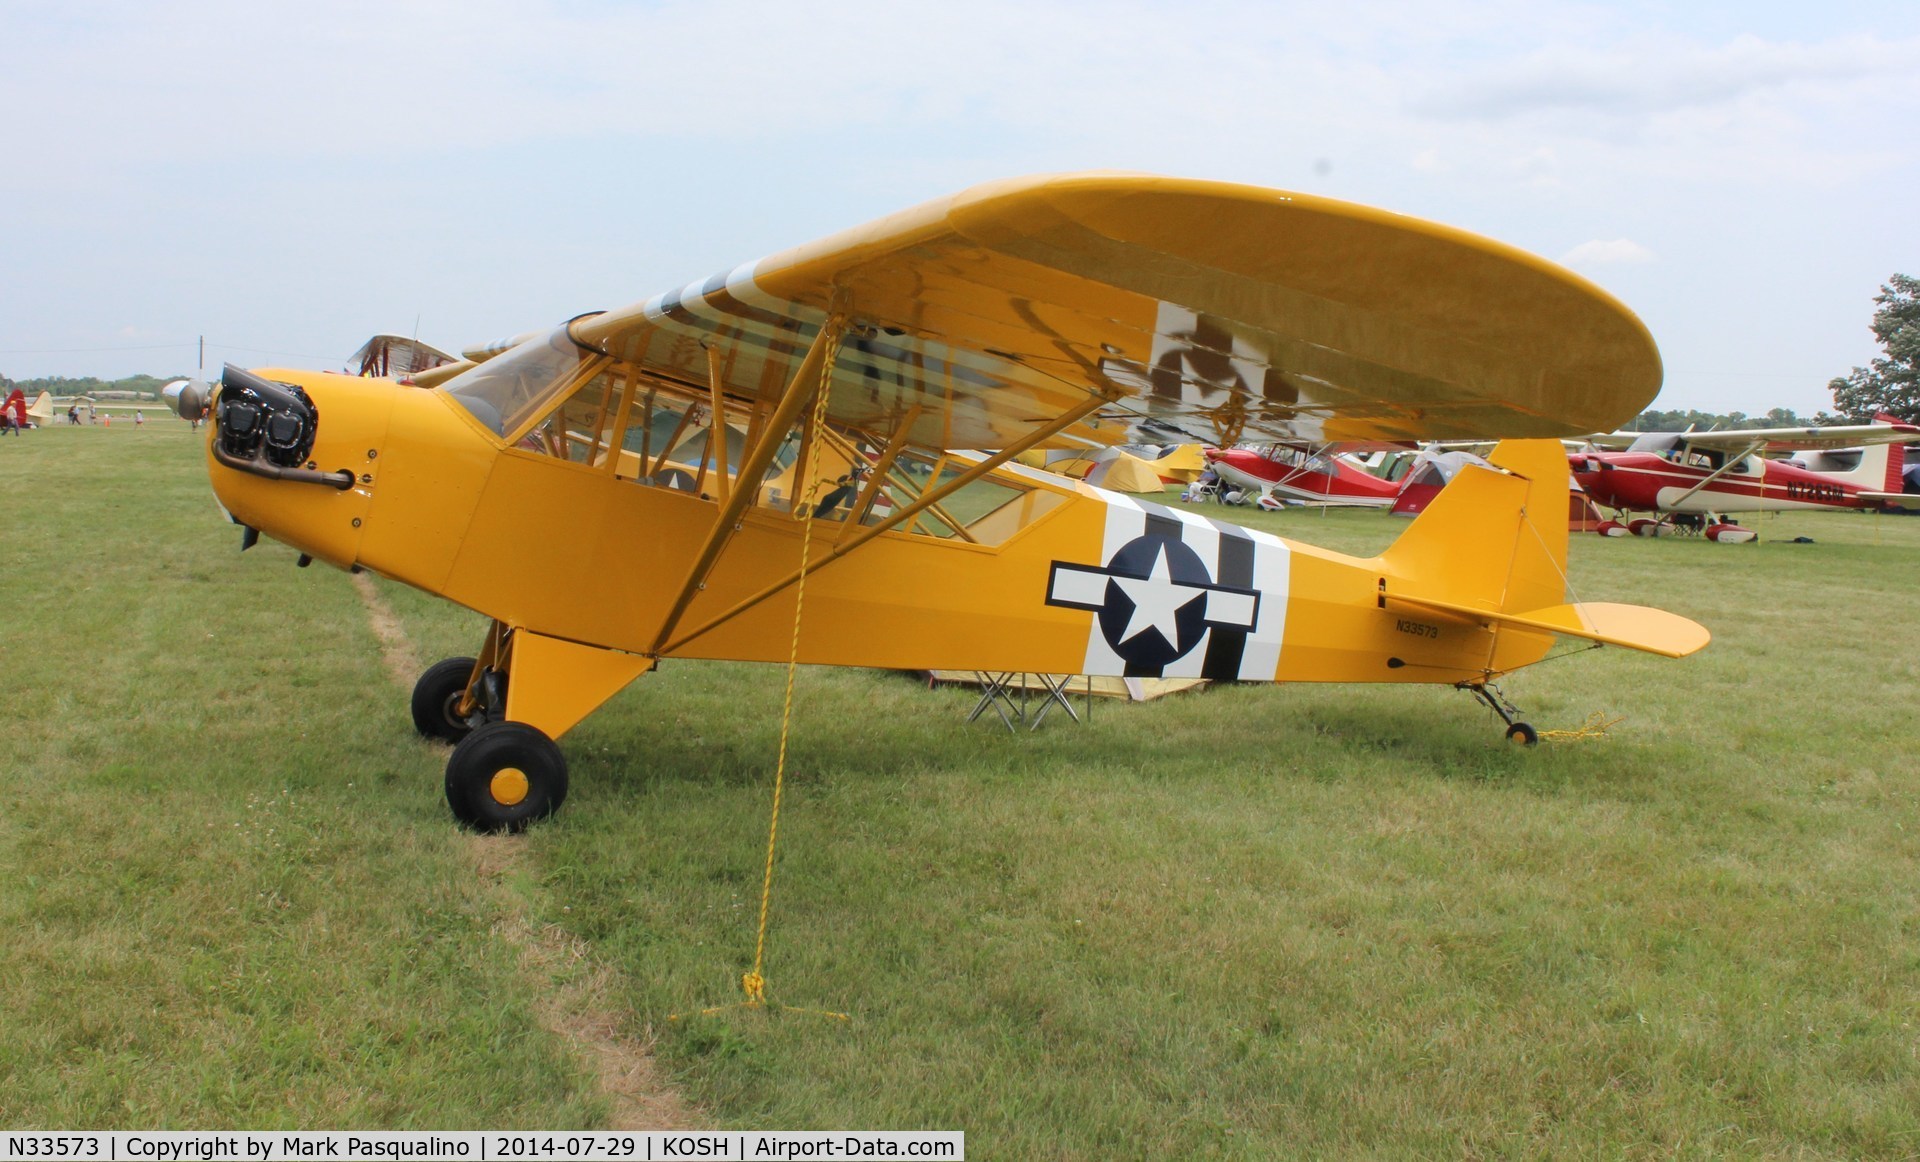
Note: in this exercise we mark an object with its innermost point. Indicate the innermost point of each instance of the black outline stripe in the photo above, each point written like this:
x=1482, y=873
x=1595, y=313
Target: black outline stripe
x=1226, y=647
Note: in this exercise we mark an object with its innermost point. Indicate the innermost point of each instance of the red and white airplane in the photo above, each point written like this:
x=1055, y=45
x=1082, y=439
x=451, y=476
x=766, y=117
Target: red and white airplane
x=1275, y=473
x=14, y=414
x=1704, y=475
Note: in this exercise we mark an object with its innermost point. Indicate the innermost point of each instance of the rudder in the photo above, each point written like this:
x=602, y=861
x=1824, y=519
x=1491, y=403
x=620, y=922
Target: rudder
x=1493, y=539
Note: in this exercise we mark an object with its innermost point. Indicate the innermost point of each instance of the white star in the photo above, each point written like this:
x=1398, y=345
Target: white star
x=1157, y=601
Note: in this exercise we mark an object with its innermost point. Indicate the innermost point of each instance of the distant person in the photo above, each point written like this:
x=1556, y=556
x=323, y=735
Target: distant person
x=109, y=420
x=139, y=417
x=91, y=417
x=73, y=414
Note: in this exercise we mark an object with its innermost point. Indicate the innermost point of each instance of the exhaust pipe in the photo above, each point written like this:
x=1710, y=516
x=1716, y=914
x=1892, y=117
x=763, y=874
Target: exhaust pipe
x=267, y=429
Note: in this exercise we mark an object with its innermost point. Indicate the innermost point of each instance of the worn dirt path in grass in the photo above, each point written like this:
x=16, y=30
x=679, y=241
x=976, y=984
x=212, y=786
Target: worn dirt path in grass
x=574, y=993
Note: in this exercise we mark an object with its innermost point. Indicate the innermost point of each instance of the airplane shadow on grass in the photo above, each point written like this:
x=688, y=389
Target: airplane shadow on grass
x=865, y=726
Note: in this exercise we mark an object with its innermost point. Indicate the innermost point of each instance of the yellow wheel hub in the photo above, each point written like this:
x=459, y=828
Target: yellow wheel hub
x=509, y=786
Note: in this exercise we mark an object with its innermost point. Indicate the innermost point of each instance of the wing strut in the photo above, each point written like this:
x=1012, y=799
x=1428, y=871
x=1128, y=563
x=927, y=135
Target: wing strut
x=718, y=426
x=630, y=389
x=899, y=517
x=806, y=381
x=878, y=474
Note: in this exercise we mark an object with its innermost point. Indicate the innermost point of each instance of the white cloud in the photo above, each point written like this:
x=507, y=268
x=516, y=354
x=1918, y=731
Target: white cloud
x=1616, y=252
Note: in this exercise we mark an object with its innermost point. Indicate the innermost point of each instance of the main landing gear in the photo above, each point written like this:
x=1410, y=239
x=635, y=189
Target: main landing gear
x=502, y=775
x=505, y=775
x=437, y=699
x=1517, y=731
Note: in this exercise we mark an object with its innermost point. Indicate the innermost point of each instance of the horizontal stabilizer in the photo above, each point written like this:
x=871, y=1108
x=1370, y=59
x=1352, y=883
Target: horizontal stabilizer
x=1908, y=500
x=1635, y=626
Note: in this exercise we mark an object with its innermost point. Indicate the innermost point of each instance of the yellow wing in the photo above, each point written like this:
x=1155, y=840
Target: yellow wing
x=1204, y=311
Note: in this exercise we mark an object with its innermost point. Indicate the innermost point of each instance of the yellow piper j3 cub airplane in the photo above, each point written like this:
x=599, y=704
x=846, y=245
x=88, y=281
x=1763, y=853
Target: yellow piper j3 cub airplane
x=655, y=482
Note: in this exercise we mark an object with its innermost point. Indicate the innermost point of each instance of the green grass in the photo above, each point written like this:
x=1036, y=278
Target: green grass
x=230, y=898
x=1259, y=921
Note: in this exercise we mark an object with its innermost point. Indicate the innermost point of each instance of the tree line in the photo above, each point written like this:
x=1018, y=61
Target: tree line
x=1681, y=419
x=144, y=385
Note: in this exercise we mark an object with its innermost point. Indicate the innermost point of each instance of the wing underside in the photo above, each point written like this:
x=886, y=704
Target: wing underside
x=1199, y=312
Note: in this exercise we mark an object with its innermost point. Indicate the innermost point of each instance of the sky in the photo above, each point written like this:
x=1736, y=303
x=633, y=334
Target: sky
x=288, y=179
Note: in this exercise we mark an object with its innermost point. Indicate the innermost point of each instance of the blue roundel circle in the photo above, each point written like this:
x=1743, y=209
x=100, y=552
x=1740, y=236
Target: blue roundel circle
x=1148, y=647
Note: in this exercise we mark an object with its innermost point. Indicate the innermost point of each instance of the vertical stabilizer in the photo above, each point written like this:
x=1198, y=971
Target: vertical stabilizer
x=1496, y=540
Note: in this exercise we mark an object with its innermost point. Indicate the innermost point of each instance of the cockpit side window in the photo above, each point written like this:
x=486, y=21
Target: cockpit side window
x=671, y=437
x=580, y=429
x=553, y=398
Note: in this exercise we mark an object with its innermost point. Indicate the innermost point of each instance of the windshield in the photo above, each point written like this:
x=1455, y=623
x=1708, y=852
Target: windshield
x=507, y=390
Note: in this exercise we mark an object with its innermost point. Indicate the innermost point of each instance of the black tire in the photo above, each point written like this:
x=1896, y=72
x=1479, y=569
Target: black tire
x=505, y=775
x=1523, y=734
x=436, y=694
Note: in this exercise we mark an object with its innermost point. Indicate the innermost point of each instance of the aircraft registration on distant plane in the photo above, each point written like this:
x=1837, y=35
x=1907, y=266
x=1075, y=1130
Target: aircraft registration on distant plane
x=1707, y=475
x=657, y=481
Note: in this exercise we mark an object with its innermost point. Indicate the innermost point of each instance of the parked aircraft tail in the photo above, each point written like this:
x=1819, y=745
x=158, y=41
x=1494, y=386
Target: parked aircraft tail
x=1879, y=468
x=1893, y=479
x=1494, y=537
x=1491, y=549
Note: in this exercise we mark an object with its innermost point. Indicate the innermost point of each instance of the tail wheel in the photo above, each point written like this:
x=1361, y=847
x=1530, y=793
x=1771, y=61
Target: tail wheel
x=436, y=697
x=504, y=775
x=1522, y=733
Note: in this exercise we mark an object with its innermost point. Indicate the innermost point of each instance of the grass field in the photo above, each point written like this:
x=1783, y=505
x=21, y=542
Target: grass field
x=1254, y=922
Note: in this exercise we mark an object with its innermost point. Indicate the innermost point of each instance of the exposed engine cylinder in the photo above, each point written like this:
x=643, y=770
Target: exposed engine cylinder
x=256, y=416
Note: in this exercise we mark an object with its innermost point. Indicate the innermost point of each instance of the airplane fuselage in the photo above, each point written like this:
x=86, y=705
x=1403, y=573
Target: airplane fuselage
x=1294, y=474
x=1095, y=583
x=1649, y=482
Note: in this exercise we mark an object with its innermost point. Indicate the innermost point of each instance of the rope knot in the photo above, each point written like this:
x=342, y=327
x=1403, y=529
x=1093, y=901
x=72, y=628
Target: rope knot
x=756, y=988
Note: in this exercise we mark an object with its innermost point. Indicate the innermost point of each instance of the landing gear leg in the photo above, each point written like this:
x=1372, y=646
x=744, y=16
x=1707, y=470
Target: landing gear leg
x=448, y=702
x=457, y=695
x=1517, y=731
x=524, y=691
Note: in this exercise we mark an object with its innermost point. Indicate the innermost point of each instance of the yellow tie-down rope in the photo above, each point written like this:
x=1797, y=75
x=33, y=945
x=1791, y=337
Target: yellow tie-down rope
x=754, y=982
x=1596, y=726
